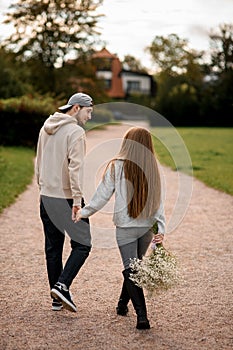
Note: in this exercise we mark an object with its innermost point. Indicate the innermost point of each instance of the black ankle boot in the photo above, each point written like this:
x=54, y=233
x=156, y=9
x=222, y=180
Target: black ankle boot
x=142, y=322
x=122, y=308
x=137, y=296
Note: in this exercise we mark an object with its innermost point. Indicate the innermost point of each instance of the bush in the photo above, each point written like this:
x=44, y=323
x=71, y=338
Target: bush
x=21, y=119
x=102, y=115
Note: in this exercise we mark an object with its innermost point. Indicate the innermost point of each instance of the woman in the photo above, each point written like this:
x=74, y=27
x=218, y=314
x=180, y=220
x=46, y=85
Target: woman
x=133, y=175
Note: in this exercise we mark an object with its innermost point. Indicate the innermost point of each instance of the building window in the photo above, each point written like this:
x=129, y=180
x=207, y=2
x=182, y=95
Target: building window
x=133, y=85
x=107, y=84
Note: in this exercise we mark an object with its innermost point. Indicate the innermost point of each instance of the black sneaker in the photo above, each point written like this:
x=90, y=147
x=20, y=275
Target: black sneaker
x=56, y=305
x=58, y=292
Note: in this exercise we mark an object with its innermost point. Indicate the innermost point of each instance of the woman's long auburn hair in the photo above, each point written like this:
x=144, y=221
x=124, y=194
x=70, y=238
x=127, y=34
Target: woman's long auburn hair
x=141, y=172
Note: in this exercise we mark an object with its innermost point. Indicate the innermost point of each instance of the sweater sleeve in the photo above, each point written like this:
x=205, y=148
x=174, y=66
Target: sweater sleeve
x=101, y=196
x=76, y=153
x=38, y=159
x=160, y=218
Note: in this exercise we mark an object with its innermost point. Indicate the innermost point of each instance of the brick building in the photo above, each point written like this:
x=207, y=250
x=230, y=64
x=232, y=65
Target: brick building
x=119, y=82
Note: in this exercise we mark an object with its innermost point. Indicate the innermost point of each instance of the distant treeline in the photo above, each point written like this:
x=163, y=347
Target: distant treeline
x=190, y=90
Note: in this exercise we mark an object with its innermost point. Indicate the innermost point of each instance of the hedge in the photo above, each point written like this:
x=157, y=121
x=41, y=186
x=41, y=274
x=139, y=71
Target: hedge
x=22, y=117
x=102, y=115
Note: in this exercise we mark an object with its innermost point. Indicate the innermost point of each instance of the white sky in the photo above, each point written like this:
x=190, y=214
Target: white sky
x=131, y=25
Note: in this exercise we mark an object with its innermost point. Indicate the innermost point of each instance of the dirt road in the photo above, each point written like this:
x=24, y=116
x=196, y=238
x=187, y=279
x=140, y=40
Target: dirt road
x=197, y=314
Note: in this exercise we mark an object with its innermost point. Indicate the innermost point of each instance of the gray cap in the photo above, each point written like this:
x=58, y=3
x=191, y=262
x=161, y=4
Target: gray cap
x=81, y=99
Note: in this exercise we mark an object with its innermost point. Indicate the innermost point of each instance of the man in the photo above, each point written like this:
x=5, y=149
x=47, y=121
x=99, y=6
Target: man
x=59, y=170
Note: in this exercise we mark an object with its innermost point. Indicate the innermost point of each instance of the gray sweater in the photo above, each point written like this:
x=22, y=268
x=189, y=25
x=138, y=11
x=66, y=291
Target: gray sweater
x=117, y=184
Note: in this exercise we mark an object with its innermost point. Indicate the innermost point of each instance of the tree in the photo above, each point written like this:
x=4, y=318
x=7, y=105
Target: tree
x=221, y=69
x=172, y=55
x=191, y=92
x=11, y=76
x=179, y=79
x=48, y=30
x=80, y=76
x=222, y=48
x=133, y=64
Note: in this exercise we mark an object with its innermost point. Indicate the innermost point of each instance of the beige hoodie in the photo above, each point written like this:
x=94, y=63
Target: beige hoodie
x=61, y=149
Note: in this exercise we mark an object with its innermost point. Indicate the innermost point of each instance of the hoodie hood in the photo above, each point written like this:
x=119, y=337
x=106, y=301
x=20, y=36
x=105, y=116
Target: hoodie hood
x=56, y=121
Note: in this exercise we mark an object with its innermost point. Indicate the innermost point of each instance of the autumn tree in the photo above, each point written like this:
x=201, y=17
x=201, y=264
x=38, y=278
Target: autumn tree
x=49, y=30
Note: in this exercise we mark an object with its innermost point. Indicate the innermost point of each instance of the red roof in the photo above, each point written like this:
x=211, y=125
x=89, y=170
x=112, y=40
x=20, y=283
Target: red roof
x=104, y=53
x=116, y=89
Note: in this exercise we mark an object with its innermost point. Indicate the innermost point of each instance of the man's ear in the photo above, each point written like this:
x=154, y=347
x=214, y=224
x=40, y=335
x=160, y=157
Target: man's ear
x=76, y=108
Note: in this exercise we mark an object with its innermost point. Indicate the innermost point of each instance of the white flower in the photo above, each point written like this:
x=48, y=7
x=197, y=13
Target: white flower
x=157, y=271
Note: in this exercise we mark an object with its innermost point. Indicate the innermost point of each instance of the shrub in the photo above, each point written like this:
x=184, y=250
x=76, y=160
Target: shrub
x=22, y=117
x=102, y=115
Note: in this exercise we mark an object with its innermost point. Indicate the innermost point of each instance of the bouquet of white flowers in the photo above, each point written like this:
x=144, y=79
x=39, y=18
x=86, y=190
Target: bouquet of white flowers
x=156, y=271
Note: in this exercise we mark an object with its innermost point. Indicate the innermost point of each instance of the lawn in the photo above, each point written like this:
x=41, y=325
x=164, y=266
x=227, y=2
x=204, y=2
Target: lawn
x=210, y=149
x=16, y=171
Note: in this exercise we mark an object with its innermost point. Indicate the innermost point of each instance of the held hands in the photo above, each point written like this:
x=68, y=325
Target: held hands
x=76, y=213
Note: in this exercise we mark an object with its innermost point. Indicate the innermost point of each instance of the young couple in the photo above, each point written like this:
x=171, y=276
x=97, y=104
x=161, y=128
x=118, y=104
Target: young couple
x=133, y=175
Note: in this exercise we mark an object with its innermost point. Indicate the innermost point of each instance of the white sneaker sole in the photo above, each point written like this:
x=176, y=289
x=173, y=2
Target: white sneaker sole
x=66, y=304
x=57, y=308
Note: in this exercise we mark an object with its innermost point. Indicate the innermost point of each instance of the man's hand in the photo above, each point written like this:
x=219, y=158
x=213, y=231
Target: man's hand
x=78, y=216
x=75, y=210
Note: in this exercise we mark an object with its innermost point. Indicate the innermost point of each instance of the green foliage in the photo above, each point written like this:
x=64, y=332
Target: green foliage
x=211, y=153
x=102, y=115
x=11, y=77
x=191, y=93
x=179, y=81
x=218, y=96
x=133, y=64
x=179, y=103
x=16, y=171
x=79, y=75
x=33, y=77
x=21, y=119
x=49, y=30
x=188, y=92
x=216, y=107
x=171, y=54
x=37, y=104
x=46, y=33
x=142, y=100
x=222, y=48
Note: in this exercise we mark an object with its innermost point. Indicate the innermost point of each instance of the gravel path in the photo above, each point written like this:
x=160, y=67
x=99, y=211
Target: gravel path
x=197, y=314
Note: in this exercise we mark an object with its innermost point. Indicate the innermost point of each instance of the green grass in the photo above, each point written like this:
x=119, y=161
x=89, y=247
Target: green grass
x=211, y=151
x=16, y=172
